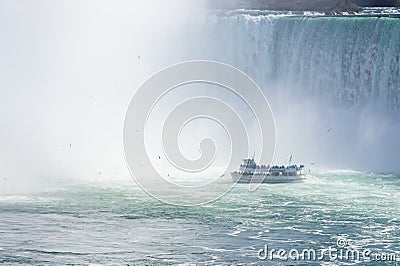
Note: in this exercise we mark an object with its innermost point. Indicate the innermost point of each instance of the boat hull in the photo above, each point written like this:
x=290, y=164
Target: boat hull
x=263, y=178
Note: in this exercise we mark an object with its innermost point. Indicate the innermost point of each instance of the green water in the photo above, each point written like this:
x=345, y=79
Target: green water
x=116, y=223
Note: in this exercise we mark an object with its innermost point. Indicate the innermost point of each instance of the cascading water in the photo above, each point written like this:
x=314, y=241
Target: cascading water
x=333, y=82
x=351, y=60
x=68, y=72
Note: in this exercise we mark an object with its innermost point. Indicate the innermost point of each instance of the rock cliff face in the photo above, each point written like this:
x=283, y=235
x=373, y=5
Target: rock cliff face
x=316, y=5
x=295, y=5
x=377, y=3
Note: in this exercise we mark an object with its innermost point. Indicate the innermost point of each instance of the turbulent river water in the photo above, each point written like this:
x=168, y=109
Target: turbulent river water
x=116, y=223
x=334, y=87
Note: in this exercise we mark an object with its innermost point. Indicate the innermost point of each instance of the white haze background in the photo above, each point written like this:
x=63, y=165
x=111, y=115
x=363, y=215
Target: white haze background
x=68, y=70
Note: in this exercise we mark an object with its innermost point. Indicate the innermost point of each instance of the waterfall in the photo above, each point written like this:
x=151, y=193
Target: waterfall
x=333, y=82
x=350, y=60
